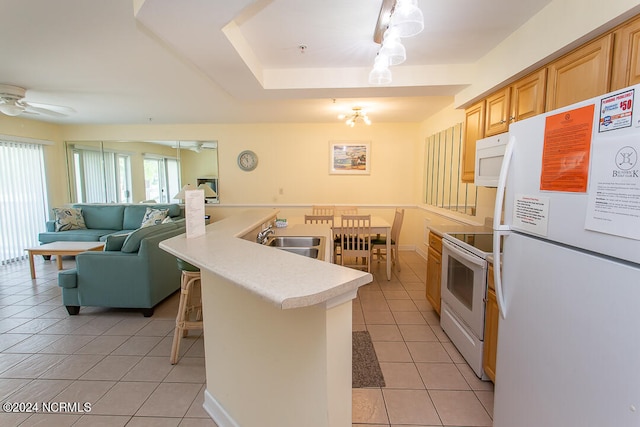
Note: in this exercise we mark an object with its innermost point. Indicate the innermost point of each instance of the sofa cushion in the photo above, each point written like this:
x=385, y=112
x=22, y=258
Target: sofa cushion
x=133, y=214
x=132, y=243
x=86, y=235
x=68, y=219
x=114, y=242
x=153, y=217
x=103, y=216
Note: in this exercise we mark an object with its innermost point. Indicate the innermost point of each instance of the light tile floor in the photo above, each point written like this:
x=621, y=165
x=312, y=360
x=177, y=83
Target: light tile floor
x=118, y=360
x=428, y=383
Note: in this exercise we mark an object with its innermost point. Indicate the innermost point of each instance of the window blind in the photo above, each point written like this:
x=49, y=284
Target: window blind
x=23, y=198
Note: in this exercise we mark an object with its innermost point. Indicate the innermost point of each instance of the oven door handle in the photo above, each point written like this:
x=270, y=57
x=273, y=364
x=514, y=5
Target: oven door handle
x=464, y=255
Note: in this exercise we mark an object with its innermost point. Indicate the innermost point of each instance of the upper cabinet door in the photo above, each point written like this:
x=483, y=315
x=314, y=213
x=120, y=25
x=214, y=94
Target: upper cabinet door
x=580, y=75
x=473, y=131
x=626, y=58
x=497, y=112
x=527, y=96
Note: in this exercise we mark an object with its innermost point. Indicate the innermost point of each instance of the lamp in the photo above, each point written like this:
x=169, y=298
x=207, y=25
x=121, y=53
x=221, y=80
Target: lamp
x=208, y=191
x=182, y=193
x=358, y=114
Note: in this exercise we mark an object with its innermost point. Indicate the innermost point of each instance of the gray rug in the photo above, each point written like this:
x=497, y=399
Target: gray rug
x=365, y=366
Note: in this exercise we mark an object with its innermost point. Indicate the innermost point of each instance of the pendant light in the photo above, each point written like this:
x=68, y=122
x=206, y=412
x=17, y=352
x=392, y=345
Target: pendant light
x=380, y=74
x=407, y=18
x=392, y=47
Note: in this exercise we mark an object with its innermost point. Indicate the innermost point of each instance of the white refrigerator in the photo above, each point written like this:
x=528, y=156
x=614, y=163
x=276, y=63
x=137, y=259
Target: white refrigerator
x=569, y=288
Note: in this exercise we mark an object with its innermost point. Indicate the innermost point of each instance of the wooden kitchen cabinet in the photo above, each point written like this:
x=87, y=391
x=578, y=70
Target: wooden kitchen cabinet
x=490, y=329
x=518, y=101
x=581, y=74
x=528, y=96
x=473, y=131
x=434, y=271
x=626, y=58
x=497, y=112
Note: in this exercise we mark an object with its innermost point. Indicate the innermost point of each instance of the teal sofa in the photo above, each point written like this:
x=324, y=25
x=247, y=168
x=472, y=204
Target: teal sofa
x=132, y=272
x=103, y=220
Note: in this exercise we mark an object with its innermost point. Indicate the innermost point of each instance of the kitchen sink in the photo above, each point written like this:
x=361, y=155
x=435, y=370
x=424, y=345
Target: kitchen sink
x=293, y=241
x=309, y=252
x=309, y=246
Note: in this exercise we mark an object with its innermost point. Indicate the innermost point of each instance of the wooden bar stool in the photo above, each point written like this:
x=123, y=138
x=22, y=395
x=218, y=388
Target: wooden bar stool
x=187, y=307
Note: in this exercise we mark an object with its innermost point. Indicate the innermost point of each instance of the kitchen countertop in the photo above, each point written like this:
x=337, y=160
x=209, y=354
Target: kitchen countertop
x=284, y=279
x=440, y=229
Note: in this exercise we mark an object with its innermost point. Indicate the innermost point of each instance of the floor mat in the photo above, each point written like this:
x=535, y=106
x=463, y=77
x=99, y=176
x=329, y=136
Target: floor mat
x=365, y=366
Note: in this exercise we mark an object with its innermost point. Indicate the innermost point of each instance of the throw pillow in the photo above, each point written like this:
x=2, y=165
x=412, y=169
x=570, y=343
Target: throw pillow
x=114, y=242
x=167, y=219
x=153, y=217
x=68, y=219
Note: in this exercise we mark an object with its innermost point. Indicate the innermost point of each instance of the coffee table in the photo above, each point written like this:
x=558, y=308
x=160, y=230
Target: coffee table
x=59, y=249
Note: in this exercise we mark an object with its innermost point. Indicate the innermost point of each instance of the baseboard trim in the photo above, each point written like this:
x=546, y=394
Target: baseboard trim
x=217, y=413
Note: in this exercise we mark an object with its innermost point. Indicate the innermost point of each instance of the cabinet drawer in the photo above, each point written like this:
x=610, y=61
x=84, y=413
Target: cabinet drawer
x=435, y=242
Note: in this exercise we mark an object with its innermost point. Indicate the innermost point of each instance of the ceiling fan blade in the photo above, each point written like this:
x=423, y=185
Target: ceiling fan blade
x=60, y=109
x=37, y=110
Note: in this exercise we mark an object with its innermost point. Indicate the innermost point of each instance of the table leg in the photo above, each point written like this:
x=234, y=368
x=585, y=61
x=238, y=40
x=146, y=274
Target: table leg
x=59, y=260
x=32, y=267
x=388, y=254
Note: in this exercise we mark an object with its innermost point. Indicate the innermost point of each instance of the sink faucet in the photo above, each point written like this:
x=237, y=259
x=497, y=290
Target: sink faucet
x=262, y=236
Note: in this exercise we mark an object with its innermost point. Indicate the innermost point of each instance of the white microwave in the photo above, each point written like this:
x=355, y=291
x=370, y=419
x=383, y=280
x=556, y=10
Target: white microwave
x=489, y=157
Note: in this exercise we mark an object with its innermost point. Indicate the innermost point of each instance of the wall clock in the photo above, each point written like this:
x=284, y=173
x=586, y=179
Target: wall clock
x=247, y=160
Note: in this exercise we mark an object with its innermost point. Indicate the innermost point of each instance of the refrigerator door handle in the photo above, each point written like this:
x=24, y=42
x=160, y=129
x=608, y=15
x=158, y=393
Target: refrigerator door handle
x=497, y=271
x=502, y=183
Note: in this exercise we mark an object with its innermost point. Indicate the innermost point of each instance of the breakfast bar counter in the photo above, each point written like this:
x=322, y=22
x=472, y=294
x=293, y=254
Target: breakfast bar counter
x=277, y=325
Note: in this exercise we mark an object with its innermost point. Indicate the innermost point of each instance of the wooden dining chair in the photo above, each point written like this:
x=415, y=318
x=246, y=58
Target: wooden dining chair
x=323, y=210
x=379, y=243
x=326, y=219
x=355, y=241
x=346, y=210
x=319, y=219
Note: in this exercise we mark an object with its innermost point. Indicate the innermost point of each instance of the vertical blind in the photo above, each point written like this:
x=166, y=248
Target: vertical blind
x=23, y=198
x=101, y=176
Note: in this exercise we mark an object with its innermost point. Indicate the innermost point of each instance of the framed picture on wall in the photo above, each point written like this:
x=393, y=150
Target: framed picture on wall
x=350, y=157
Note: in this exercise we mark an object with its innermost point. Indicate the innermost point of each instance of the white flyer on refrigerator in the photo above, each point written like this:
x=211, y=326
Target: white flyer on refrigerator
x=614, y=190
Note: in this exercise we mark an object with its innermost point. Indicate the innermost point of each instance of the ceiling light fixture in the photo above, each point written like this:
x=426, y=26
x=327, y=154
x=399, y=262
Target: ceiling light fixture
x=397, y=18
x=407, y=18
x=11, y=109
x=381, y=74
x=358, y=114
x=392, y=47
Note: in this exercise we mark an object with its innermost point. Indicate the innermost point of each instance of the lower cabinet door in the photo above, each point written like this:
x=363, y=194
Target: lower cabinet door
x=491, y=335
x=434, y=266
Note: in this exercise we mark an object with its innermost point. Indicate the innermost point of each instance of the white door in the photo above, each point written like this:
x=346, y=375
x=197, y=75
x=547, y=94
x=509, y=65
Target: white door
x=569, y=347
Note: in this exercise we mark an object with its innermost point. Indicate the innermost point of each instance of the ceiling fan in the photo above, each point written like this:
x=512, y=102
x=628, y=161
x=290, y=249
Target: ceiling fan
x=12, y=103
